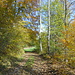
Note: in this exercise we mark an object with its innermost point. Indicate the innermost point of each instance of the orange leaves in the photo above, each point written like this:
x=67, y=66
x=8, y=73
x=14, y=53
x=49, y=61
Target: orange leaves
x=28, y=1
x=6, y=3
x=20, y=2
x=63, y=40
x=69, y=36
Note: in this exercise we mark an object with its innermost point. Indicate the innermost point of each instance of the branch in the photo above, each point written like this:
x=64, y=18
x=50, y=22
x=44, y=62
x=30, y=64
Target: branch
x=70, y=21
x=71, y=4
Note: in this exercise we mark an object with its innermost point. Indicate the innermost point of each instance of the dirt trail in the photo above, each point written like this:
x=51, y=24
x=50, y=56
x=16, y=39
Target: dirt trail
x=33, y=64
x=39, y=66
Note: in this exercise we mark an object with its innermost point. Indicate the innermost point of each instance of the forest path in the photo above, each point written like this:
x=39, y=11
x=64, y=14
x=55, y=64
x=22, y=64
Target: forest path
x=33, y=64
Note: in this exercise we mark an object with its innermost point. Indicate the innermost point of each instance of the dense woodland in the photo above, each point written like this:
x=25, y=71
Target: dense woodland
x=48, y=25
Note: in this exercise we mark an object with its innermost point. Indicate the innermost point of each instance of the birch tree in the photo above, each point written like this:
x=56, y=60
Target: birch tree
x=40, y=40
x=49, y=26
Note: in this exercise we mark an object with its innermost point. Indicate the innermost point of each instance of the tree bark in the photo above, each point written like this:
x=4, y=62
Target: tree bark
x=65, y=23
x=48, y=26
x=40, y=37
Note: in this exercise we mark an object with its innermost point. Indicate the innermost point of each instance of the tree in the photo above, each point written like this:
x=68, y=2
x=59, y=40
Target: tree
x=56, y=25
x=69, y=43
x=49, y=26
x=13, y=35
x=40, y=39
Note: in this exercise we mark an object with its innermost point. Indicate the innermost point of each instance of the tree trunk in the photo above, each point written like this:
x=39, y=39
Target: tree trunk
x=40, y=39
x=65, y=23
x=48, y=27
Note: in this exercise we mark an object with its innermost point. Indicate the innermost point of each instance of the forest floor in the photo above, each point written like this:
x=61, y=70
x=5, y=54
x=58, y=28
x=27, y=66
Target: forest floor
x=34, y=64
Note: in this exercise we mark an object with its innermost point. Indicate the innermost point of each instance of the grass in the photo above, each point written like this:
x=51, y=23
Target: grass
x=31, y=49
x=30, y=62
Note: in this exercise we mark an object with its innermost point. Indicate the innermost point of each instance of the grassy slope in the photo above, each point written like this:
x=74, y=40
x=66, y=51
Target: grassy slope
x=30, y=49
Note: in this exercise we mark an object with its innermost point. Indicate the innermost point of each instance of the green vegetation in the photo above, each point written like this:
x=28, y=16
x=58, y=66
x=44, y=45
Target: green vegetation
x=46, y=27
x=30, y=49
x=30, y=62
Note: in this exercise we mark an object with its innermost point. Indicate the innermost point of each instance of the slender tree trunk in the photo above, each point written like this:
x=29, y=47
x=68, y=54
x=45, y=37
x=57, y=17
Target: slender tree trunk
x=15, y=7
x=48, y=27
x=65, y=23
x=40, y=39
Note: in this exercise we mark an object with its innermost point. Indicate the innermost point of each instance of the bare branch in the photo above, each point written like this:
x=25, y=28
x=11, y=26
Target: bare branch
x=71, y=3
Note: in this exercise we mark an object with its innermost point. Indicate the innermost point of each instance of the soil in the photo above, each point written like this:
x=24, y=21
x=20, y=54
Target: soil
x=33, y=64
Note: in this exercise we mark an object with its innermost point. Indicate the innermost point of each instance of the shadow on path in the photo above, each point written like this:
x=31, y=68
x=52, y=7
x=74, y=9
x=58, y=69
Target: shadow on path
x=32, y=64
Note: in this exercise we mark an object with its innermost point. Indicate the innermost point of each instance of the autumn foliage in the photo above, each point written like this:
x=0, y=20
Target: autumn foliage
x=69, y=36
x=14, y=36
